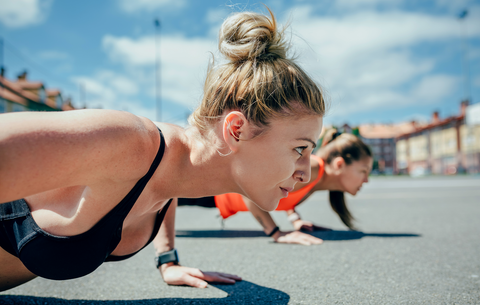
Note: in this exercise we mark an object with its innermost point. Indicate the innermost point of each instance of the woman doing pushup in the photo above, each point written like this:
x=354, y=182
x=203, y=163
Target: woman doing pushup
x=342, y=164
x=84, y=187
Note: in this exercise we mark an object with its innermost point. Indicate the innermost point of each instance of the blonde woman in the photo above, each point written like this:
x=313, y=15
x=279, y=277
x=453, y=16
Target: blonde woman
x=84, y=187
x=342, y=164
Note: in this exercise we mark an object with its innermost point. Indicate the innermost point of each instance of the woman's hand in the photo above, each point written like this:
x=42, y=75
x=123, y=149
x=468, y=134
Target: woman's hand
x=180, y=275
x=297, y=237
x=300, y=224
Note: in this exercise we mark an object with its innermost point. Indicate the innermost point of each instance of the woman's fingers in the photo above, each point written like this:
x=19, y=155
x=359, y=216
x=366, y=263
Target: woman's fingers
x=217, y=277
x=230, y=276
x=315, y=240
x=179, y=275
x=300, y=238
x=194, y=281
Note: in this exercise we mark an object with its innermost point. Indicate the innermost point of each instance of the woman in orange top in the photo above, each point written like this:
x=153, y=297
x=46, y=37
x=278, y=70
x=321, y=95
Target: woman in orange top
x=341, y=165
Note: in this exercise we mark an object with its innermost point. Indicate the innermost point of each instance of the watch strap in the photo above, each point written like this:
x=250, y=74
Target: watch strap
x=275, y=230
x=167, y=257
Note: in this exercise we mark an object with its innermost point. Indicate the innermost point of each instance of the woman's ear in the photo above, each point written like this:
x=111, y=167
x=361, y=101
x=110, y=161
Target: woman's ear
x=235, y=125
x=338, y=164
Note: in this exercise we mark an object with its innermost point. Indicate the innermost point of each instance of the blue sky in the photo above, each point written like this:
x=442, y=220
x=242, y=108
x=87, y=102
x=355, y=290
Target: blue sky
x=378, y=61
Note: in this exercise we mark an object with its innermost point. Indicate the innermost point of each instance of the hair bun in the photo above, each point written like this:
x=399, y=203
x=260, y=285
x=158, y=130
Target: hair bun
x=250, y=36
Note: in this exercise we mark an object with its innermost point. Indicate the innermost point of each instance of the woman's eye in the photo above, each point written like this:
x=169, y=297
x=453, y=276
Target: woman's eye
x=300, y=150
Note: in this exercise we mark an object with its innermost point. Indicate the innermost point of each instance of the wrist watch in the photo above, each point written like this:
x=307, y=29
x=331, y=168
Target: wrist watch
x=167, y=257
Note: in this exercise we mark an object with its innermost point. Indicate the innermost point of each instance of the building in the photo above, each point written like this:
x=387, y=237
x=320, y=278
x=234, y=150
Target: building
x=444, y=146
x=381, y=140
x=25, y=95
x=470, y=139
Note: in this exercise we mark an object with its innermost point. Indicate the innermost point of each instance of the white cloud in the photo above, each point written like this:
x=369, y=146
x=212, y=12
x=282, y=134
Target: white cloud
x=366, y=59
x=110, y=90
x=216, y=15
x=355, y=4
x=183, y=62
x=455, y=7
x=134, y=52
x=434, y=87
x=131, y=6
x=21, y=13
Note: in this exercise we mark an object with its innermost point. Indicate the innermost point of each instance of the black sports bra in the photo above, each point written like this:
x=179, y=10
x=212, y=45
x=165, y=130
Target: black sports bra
x=68, y=257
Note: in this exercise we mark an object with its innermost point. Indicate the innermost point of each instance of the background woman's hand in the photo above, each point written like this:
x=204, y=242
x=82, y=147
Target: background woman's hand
x=301, y=224
x=180, y=275
x=297, y=237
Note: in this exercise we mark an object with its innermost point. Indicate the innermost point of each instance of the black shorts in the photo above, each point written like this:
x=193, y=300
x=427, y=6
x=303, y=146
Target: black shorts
x=205, y=202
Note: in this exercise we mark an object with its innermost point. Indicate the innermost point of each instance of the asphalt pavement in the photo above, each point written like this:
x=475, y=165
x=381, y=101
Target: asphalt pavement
x=419, y=243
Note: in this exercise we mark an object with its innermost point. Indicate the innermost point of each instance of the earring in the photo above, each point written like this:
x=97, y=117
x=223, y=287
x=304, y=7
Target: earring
x=224, y=155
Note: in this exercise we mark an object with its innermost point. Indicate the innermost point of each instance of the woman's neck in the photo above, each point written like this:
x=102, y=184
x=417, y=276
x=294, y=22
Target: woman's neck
x=329, y=181
x=198, y=169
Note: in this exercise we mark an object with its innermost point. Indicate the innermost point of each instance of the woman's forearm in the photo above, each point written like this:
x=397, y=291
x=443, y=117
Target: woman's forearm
x=165, y=239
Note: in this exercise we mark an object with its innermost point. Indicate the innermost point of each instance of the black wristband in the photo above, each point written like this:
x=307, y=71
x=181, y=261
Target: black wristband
x=273, y=231
x=167, y=257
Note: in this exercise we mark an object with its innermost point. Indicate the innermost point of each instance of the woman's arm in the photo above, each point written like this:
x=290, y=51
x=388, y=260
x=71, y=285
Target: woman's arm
x=300, y=224
x=180, y=275
x=41, y=151
x=268, y=224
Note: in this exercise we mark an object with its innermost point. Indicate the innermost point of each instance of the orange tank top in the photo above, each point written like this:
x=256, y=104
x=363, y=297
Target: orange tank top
x=231, y=203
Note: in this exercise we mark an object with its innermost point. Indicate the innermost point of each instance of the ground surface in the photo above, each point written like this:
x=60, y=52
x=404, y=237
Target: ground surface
x=419, y=244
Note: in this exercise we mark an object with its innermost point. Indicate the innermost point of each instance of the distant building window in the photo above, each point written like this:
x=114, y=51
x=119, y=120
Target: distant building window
x=17, y=108
x=3, y=106
x=59, y=102
x=42, y=95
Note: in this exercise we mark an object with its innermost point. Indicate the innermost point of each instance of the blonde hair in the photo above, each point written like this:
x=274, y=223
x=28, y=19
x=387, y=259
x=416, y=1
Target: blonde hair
x=258, y=79
x=350, y=148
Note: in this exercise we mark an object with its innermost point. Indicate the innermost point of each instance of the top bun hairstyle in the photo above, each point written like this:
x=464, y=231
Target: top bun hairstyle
x=258, y=79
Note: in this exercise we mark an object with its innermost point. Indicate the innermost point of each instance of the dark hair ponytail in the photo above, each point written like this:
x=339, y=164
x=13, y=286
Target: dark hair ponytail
x=338, y=204
x=350, y=148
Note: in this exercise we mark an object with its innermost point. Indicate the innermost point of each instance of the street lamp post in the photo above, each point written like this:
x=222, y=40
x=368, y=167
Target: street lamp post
x=466, y=70
x=158, y=102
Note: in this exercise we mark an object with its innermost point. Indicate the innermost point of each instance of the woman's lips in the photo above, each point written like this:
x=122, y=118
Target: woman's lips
x=286, y=190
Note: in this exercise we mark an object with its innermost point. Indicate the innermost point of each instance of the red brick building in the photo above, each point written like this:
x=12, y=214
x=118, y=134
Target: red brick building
x=25, y=95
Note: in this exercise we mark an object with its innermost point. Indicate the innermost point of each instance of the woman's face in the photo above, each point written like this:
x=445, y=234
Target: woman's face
x=354, y=175
x=268, y=166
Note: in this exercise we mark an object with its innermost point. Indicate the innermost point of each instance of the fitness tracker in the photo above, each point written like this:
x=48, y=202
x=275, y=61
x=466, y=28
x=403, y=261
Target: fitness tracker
x=275, y=230
x=167, y=257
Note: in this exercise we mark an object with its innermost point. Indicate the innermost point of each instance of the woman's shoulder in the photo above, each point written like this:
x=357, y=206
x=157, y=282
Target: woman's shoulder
x=80, y=147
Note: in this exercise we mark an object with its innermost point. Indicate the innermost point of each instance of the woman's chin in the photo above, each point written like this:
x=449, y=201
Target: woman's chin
x=269, y=205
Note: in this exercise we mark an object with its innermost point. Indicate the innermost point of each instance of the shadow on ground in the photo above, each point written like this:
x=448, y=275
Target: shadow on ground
x=241, y=293
x=325, y=235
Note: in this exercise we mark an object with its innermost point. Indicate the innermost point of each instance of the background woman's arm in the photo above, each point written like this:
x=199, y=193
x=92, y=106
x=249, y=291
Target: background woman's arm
x=268, y=224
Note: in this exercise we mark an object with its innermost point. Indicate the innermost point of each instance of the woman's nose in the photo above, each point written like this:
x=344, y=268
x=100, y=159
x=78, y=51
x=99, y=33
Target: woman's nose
x=303, y=172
